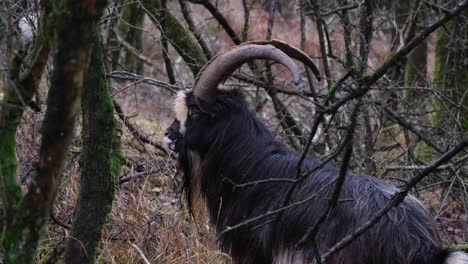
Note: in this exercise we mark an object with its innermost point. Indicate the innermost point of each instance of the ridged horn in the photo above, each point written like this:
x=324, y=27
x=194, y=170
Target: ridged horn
x=292, y=52
x=220, y=67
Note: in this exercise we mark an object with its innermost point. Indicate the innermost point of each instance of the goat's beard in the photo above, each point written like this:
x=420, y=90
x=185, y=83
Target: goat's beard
x=190, y=164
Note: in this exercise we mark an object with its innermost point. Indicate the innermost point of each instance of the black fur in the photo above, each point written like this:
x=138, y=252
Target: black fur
x=233, y=146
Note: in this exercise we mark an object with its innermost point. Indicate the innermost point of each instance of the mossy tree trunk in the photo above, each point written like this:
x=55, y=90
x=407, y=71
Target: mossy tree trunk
x=415, y=76
x=101, y=162
x=17, y=95
x=27, y=215
x=134, y=16
x=181, y=38
x=415, y=69
x=450, y=84
x=416, y=100
x=396, y=73
x=451, y=78
x=409, y=70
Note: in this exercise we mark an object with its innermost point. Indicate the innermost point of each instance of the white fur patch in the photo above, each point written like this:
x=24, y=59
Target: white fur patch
x=289, y=256
x=457, y=258
x=181, y=110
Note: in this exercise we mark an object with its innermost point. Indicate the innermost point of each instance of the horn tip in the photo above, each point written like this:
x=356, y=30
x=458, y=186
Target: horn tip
x=296, y=79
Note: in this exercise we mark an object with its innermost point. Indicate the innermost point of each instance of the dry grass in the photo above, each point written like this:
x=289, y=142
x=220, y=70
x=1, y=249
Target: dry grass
x=147, y=213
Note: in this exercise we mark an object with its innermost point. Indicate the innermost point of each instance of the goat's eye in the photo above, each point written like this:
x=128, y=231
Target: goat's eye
x=194, y=114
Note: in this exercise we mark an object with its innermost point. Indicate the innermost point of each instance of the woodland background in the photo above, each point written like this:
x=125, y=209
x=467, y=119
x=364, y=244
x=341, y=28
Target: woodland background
x=85, y=96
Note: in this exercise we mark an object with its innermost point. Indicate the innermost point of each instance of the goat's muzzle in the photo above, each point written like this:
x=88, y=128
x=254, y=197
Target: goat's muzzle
x=173, y=136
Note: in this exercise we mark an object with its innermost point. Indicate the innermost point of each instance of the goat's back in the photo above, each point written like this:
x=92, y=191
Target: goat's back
x=406, y=234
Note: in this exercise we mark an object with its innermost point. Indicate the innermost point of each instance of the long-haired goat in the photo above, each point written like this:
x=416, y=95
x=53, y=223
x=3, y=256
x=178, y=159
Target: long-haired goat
x=219, y=142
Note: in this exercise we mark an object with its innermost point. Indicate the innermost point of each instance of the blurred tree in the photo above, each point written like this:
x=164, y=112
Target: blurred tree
x=410, y=70
x=131, y=29
x=415, y=68
x=416, y=65
x=451, y=78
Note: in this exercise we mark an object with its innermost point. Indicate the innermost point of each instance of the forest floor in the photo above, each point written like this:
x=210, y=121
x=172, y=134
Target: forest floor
x=149, y=220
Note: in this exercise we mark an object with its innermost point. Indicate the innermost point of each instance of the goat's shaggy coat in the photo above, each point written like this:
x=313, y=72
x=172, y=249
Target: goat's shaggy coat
x=222, y=144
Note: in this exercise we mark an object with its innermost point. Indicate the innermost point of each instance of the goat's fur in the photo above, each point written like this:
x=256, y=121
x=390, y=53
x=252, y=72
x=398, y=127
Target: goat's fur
x=221, y=144
x=224, y=144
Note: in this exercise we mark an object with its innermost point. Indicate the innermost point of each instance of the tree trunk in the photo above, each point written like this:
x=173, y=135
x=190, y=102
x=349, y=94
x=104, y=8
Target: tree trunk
x=415, y=75
x=450, y=81
x=131, y=29
x=72, y=21
x=183, y=41
x=100, y=154
x=17, y=95
x=450, y=77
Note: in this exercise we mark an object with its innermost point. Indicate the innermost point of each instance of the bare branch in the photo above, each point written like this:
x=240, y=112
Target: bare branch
x=396, y=199
x=135, y=132
x=220, y=18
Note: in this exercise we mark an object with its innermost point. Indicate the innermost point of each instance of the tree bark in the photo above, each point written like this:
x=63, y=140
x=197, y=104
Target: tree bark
x=18, y=95
x=450, y=76
x=101, y=163
x=131, y=30
x=72, y=21
x=183, y=41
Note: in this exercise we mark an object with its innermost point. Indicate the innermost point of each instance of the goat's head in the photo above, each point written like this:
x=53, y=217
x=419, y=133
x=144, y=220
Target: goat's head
x=200, y=112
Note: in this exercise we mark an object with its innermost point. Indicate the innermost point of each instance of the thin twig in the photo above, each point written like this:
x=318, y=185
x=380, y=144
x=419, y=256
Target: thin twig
x=124, y=75
x=273, y=212
x=312, y=232
x=396, y=199
x=132, y=49
x=323, y=47
x=220, y=18
x=369, y=80
x=336, y=10
x=58, y=222
x=165, y=45
x=191, y=25
x=405, y=124
x=135, y=132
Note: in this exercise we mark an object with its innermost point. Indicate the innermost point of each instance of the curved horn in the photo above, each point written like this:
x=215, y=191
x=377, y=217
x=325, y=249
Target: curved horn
x=222, y=65
x=292, y=52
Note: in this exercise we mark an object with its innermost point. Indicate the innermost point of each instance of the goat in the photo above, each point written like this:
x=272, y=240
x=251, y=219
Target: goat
x=220, y=144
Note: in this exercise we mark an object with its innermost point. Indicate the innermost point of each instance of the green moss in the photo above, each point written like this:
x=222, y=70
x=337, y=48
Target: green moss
x=441, y=53
x=153, y=126
x=71, y=30
x=117, y=159
x=366, y=79
x=463, y=247
x=101, y=162
x=181, y=38
x=450, y=78
x=424, y=152
x=10, y=189
x=185, y=43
